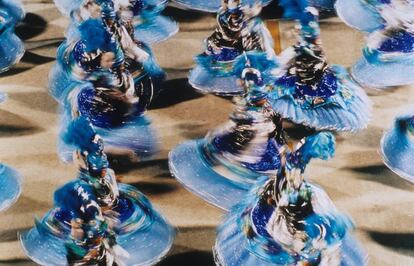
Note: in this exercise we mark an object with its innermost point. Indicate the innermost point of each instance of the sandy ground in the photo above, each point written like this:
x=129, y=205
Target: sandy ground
x=380, y=202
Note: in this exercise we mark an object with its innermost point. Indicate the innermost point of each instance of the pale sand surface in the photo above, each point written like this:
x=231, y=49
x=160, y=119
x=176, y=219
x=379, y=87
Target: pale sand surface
x=380, y=202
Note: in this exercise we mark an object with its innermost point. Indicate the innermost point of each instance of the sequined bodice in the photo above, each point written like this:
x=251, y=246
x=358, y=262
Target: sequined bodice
x=235, y=31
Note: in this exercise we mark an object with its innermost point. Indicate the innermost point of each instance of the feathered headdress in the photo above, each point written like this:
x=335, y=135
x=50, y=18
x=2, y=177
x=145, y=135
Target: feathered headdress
x=94, y=36
x=292, y=9
x=320, y=145
x=80, y=134
x=303, y=11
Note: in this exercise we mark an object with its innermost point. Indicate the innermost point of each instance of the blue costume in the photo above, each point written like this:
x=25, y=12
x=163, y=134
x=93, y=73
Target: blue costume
x=74, y=232
x=10, y=186
x=221, y=167
x=363, y=15
x=285, y=220
x=239, y=30
x=397, y=147
x=309, y=91
x=150, y=26
x=11, y=48
x=388, y=57
x=138, y=57
x=99, y=86
x=142, y=15
x=15, y=10
x=95, y=221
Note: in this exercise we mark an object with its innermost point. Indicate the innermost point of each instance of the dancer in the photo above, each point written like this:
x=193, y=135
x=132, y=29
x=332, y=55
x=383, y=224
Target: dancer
x=239, y=30
x=96, y=221
x=362, y=15
x=143, y=16
x=309, y=91
x=221, y=167
x=397, y=147
x=388, y=56
x=11, y=48
x=285, y=220
x=105, y=92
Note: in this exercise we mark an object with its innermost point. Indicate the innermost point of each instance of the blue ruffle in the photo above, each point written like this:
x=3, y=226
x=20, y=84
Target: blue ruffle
x=348, y=110
x=61, y=82
x=244, y=240
x=208, y=76
x=189, y=165
x=206, y=82
x=373, y=72
x=13, y=13
x=135, y=137
x=389, y=64
x=145, y=234
x=10, y=186
x=11, y=49
x=155, y=29
x=397, y=148
x=359, y=15
x=221, y=64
